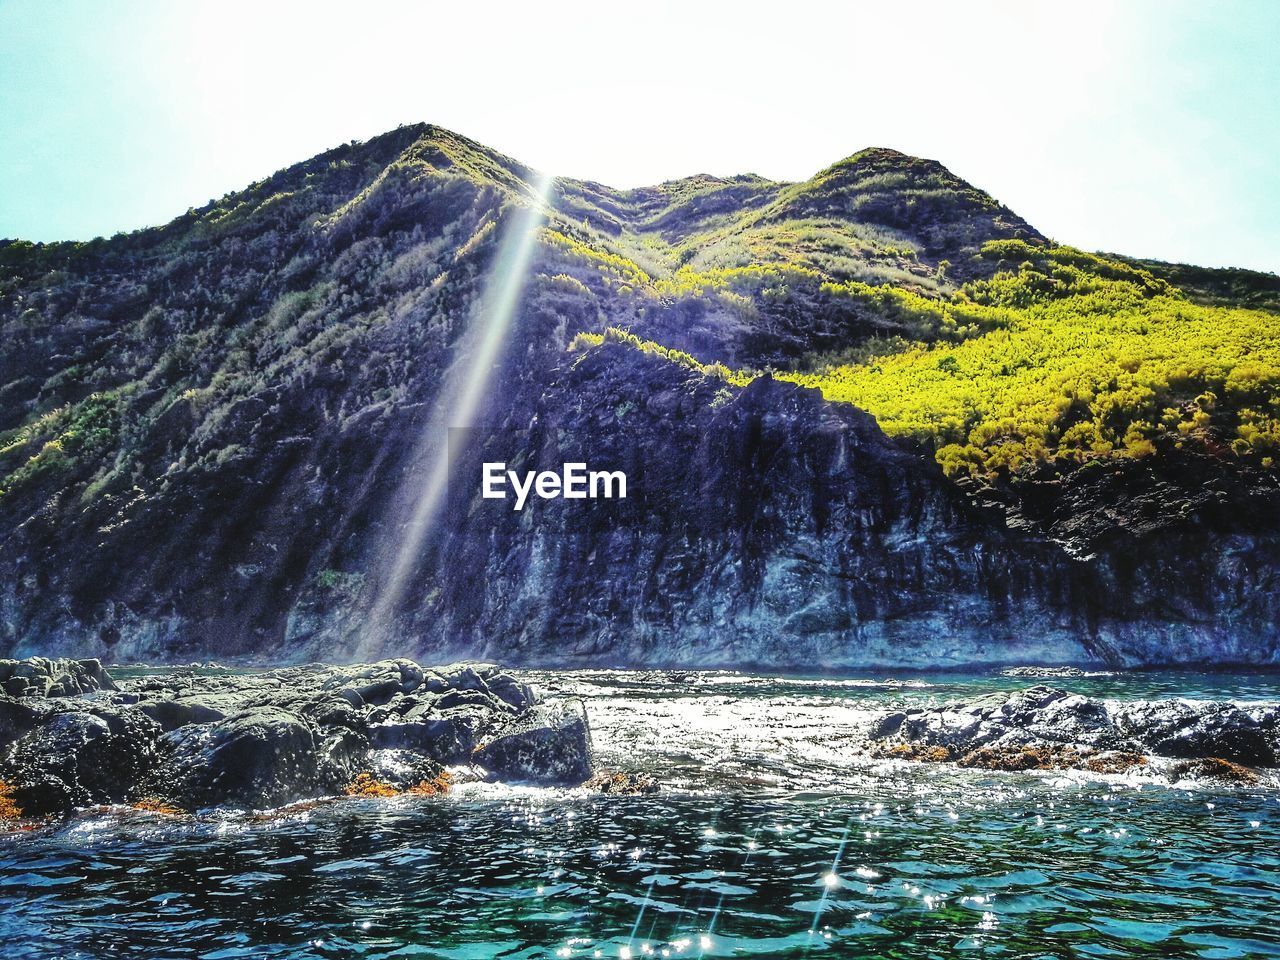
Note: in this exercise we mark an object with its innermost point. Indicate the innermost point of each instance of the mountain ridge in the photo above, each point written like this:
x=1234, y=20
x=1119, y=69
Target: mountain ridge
x=209, y=430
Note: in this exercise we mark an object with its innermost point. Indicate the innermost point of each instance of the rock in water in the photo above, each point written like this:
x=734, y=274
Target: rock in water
x=261, y=758
x=41, y=677
x=548, y=745
x=1189, y=730
x=75, y=758
x=1041, y=727
x=1042, y=672
x=264, y=739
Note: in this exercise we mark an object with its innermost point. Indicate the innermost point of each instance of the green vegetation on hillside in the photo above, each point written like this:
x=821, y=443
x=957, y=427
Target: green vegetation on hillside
x=331, y=294
x=1083, y=356
x=169, y=355
x=62, y=439
x=763, y=295
x=585, y=341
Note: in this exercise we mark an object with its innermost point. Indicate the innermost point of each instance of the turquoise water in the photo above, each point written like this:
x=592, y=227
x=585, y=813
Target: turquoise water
x=772, y=838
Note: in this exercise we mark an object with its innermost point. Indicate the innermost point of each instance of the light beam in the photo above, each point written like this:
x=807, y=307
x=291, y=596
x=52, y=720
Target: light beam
x=462, y=391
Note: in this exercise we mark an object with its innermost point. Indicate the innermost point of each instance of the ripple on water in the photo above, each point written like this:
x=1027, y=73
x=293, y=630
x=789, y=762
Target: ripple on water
x=773, y=839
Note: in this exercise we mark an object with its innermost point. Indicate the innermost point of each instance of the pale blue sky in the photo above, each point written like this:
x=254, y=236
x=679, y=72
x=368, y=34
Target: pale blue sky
x=1148, y=128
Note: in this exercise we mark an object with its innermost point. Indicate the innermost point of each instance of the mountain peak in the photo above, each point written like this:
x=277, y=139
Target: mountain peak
x=913, y=196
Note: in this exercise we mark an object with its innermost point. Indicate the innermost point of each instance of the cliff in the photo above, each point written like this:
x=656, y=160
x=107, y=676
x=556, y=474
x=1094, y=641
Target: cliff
x=228, y=436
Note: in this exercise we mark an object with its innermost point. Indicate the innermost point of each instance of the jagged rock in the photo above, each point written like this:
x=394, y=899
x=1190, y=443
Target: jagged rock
x=545, y=745
x=42, y=677
x=1045, y=728
x=74, y=758
x=259, y=740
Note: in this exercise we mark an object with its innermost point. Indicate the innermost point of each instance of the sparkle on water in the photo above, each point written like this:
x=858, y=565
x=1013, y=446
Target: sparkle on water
x=771, y=839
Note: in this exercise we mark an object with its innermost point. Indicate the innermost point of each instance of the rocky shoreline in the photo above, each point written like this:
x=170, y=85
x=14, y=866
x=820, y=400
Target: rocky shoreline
x=1044, y=728
x=190, y=739
x=72, y=736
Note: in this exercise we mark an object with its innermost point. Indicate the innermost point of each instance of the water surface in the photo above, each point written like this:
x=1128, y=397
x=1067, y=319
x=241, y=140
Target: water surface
x=773, y=837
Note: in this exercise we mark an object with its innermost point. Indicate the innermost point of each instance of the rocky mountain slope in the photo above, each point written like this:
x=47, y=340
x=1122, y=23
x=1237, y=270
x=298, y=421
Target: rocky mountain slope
x=228, y=436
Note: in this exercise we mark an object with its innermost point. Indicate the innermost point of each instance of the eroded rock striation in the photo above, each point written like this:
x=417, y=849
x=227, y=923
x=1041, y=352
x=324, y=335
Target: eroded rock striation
x=194, y=740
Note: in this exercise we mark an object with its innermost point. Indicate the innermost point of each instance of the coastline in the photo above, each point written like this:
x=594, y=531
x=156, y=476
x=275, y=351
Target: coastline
x=78, y=736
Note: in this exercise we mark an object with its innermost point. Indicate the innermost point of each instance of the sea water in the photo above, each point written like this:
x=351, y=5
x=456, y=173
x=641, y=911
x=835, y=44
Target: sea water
x=772, y=836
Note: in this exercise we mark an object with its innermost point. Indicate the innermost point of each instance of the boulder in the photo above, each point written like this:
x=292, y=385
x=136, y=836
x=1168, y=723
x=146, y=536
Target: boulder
x=1191, y=729
x=447, y=736
x=79, y=757
x=1041, y=728
x=42, y=677
x=1011, y=719
x=546, y=745
x=264, y=757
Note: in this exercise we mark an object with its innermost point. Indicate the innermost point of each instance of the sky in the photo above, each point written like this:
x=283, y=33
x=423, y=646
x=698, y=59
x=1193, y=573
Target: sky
x=1145, y=128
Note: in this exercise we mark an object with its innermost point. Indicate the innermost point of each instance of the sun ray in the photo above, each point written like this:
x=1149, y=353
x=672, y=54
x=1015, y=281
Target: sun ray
x=459, y=400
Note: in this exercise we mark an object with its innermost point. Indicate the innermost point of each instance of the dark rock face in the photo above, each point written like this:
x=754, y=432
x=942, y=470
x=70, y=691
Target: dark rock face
x=245, y=393
x=266, y=739
x=547, y=745
x=41, y=677
x=1181, y=552
x=771, y=528
x=78, y=757
x=1049, y=725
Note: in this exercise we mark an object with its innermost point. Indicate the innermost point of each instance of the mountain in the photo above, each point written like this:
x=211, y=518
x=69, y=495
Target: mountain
x=871, y=418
